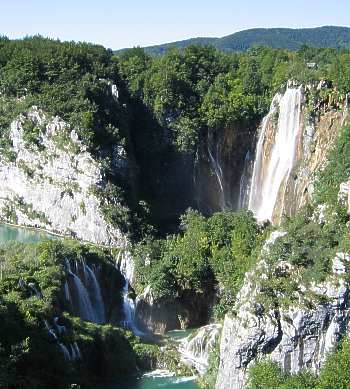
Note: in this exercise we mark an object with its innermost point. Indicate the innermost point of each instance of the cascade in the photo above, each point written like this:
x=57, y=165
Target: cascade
x=86, y=311
x=276, y=153
x=74, y=353
x=84, y=292
x=126, y=267
x=96, y=295
x=65, y=351
x=71, y=353
x=195, y=350
x=214, y=157
x=66, y=291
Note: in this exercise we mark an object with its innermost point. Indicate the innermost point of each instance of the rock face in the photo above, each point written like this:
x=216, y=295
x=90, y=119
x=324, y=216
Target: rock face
x=220, y=161
x=296, y=337
x=191, y=310
x=51, y=182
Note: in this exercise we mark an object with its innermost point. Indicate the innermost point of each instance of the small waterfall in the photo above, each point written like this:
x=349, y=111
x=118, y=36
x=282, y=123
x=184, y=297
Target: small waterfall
x=50, y=330
x=74, y=353
x=276, y=153
x=97, y=296
x=195, y=350
x=244, y=184
x=128, y=307
x=66, y=291
x=84, y=292
x=65, y=351
x=214, y=157
x=71, y=353
x=35, y=291
x=126, y=267
x=86, y=311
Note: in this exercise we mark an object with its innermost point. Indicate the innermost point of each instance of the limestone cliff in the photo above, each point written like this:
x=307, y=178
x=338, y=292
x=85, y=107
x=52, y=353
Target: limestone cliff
x=51, y=181
x=296, y=336
x=219, y=164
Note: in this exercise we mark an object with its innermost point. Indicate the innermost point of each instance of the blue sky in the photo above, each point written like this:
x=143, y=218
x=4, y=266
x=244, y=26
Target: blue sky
x=128, y=23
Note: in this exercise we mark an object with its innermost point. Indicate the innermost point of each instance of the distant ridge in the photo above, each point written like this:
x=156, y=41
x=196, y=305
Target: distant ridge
x=285, y=38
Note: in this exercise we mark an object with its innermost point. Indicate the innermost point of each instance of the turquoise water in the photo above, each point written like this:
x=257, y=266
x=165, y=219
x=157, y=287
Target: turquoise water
x=178, y=335
x=24, y=235
x=153, y=383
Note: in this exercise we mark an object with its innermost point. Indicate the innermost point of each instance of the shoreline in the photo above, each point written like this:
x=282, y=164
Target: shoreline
x=56, y=234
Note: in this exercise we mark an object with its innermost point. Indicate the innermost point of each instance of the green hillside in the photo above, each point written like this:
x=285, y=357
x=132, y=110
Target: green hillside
x=286, y=38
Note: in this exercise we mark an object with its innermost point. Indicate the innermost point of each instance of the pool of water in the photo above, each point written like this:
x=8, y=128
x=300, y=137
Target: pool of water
x=178, y=335
x=25, y=235
x=154, y=380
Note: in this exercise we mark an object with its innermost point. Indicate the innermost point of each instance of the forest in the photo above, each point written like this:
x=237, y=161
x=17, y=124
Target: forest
x=164, y=105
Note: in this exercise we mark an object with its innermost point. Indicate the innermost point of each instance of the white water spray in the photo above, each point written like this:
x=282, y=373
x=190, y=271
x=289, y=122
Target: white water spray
x=195, y=350
x=126, y=267
x=97, y=299
x=84, y=293
x=272, y=167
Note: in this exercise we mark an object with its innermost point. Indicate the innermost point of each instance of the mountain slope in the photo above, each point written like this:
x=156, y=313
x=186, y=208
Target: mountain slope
x=287, y=38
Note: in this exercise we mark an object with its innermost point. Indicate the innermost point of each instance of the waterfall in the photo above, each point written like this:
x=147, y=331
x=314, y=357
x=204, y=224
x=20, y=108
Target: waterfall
x=128, y=307
x=84, y=293
x=70, y=353
x=66, y=291
x=86, y=311
x=74, y=353
x=214, y=157
x=195, y=350
x=276, y=153
x=65, y=351
x=126, y=267
x=50, y=330
x=244, y=183
x=97, y=296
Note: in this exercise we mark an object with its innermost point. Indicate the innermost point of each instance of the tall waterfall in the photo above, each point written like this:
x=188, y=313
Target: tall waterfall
x=83, y=291
x=276, y=153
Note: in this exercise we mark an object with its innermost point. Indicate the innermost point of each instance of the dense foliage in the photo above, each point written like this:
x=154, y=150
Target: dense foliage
x=336, y=171
x=213, y=251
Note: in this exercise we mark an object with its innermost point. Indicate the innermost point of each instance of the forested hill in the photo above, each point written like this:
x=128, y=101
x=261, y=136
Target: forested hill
x=286, y=38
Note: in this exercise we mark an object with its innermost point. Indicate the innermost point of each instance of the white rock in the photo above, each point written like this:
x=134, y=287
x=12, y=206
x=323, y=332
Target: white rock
x=58, y=186
x=295, y=337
